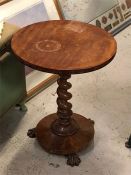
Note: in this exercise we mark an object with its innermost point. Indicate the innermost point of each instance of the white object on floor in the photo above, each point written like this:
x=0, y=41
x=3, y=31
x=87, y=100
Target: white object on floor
x=104, y=96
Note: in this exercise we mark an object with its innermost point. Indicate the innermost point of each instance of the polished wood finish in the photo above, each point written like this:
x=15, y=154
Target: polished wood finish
x=64, y=132
x=64, y=46
x=64, y=125
x=62, y=145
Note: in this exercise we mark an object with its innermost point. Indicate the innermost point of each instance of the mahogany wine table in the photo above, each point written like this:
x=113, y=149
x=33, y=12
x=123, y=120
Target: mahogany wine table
x=64, y=47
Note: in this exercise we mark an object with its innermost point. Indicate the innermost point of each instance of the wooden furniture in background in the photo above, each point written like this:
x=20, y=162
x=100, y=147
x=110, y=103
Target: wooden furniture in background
x=4, y=1
x=59, y=10
x=64, y=48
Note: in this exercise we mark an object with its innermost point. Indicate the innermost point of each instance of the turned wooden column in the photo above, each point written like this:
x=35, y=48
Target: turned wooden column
x=65, y=125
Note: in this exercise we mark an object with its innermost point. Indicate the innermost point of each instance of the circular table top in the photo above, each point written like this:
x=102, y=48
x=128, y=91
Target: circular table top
x=63, y=46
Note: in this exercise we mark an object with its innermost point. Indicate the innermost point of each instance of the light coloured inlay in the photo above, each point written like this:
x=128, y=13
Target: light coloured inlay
x=48, y=46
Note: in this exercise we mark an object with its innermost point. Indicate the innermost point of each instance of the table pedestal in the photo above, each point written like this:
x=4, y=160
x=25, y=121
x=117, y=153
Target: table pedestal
x=64, y=133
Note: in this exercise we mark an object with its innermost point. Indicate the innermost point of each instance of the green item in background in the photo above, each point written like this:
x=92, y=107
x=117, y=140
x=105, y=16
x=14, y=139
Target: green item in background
x=12, y=83
x=12, y=75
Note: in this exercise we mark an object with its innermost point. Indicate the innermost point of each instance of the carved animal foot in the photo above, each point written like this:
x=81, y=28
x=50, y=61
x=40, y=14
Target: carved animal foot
x=73, y=160
x=31, y=133
x=128, y=143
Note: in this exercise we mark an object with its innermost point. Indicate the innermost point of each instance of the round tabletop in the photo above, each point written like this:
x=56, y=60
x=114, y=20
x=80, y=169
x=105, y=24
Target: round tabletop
x=64, y=46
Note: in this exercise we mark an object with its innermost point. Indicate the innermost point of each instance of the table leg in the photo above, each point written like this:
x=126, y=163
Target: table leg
x=31, y=133
x=64, y=133
x=128, y=143
x=73, y=160
x=64, y=125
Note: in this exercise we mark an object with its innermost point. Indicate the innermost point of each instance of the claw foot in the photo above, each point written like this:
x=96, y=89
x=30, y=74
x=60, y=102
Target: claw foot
x=73, y=160
x=128, y=143
x=31, y=133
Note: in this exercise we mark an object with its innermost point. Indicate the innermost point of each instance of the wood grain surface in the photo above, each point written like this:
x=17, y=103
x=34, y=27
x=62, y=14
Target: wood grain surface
x=4, y=1
x=55, y=144
x=64, y=46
